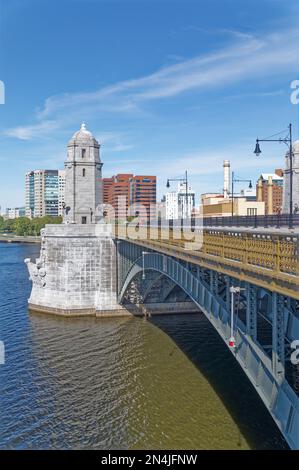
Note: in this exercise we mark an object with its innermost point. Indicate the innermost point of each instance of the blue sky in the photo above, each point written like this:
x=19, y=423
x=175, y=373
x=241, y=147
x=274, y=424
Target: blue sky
x=165, y=85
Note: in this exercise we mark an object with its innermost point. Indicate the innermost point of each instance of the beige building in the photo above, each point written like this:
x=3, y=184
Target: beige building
x=270, y=190
x=215, y=205
x=220, y=205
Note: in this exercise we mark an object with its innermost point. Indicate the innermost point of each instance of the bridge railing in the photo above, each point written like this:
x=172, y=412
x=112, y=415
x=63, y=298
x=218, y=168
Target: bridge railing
x=253, y=221
x=263, y=257
x=277, y=251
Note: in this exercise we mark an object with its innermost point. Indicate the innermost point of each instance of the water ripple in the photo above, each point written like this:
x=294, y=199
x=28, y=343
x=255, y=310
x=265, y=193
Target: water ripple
x=118, y=383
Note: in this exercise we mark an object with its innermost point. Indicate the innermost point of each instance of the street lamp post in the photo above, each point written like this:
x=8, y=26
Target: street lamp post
x=237, y=180
x=288, y=140
x=185, y=181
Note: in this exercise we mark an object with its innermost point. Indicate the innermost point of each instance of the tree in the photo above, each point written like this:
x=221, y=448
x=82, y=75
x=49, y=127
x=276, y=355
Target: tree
x=8, y=225
x=39, y=222
x=22, y=226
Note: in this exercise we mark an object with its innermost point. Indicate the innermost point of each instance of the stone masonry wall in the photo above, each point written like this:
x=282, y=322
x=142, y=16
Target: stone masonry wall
x=76, y=269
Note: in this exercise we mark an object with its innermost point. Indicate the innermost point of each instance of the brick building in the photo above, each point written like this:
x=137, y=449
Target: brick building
x=270, y=191
x=125, y=189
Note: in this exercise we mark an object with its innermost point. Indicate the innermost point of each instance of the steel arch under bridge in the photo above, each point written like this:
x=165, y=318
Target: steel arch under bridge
x=276, y=393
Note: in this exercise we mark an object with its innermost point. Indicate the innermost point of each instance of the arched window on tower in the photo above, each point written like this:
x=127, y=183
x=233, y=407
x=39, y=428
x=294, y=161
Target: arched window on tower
x=83, y=153
x=83, y=172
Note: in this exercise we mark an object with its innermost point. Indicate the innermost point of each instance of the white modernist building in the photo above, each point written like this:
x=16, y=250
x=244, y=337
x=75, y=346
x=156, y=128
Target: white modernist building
x=15, y=212
x=286, y=183
x=180, y=203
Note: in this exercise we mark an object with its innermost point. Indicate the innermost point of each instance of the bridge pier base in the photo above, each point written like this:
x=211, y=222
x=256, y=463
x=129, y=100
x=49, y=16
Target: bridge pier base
x=75, y=274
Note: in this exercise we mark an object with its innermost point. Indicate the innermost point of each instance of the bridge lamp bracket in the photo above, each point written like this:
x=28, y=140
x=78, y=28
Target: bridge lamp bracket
x=233, y=290
x=143, y=264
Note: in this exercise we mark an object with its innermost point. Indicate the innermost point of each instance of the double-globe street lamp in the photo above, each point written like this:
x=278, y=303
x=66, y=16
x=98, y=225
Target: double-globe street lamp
x=185, y=181
x=237, y=180
x=288, y=140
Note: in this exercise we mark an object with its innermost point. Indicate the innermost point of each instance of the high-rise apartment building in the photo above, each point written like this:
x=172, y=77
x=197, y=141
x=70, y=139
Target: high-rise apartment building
x=116, y=193
x=124, y=190
x=44, y=193
x=29, y=194
x=107, y=184
x=143, y=192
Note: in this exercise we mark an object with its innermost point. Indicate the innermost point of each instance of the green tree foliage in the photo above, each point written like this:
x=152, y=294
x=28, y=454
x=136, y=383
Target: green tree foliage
x=1, y=223
x=24, y=226
x=6, y=225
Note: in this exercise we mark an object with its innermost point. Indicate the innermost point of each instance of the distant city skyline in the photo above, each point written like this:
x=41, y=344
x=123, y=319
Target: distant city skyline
x=172, y=87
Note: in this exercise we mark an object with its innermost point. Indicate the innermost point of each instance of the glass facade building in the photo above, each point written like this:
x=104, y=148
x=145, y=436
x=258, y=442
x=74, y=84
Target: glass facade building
x=51, y=193
x=44, y=192
x=29, y=194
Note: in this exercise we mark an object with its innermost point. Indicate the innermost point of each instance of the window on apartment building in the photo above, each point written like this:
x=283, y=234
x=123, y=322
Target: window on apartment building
x=83, y=153
x=83, y=172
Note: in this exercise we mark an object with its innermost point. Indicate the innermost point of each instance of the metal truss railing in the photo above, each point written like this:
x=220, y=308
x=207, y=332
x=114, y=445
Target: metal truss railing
x=261, y=257
x=253, y=221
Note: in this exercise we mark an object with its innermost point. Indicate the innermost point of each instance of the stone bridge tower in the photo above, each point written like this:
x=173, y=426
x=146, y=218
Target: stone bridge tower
x=83, y=173
x=75, y=273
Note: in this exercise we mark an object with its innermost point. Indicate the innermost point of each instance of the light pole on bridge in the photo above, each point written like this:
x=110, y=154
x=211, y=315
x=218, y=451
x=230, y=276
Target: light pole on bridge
x=288, y=140
x=237, y=180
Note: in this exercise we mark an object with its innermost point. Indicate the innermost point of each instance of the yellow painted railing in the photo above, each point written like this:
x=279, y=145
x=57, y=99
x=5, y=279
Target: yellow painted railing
x=264, y=258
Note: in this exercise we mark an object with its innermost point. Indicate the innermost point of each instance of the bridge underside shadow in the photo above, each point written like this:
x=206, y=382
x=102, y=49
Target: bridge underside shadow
x=196, y=337
x=151, y=293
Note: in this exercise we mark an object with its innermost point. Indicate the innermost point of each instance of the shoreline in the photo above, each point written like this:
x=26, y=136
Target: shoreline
x=19, y=239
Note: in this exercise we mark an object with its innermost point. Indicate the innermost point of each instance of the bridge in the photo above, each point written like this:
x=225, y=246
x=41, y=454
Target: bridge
x=262, y=264
x=242, y=274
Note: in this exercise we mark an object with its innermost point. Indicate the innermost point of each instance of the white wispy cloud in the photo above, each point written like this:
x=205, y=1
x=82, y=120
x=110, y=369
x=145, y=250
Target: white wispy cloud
x=32, y=131
x=206, y=172
x=246, y=59
x=202, y=161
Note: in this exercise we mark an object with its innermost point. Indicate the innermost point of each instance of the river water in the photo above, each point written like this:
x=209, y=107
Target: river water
x=128, y=383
